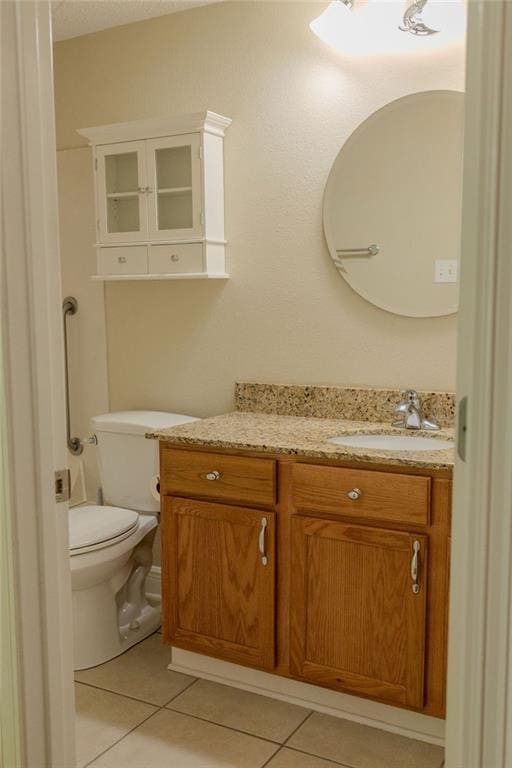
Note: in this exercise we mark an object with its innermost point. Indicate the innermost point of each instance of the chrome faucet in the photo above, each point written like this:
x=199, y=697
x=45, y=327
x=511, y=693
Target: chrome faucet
x=411, y=413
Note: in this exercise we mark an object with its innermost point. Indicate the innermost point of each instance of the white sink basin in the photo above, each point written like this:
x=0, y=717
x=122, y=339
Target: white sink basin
x=392, y=442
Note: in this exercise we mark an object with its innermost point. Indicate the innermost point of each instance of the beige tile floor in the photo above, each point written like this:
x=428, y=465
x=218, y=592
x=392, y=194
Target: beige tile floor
x=134, y=713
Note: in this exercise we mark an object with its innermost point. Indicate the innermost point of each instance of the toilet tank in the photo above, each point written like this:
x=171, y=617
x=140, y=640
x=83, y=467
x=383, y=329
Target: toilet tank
x=127, y=460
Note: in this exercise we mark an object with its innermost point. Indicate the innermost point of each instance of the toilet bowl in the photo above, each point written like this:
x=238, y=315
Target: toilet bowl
x=111, y=545
x=105, y=625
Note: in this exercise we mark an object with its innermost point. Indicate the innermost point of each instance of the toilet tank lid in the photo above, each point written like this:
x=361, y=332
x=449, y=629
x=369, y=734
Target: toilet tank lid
x=138, y=422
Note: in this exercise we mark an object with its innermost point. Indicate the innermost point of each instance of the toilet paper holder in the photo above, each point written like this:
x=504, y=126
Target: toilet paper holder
x=154, y=487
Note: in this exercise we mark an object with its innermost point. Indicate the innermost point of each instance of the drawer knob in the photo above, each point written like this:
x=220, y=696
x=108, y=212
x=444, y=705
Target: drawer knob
x=215, y=475
x=121, y=259
x=175, y=257
x=354, y=494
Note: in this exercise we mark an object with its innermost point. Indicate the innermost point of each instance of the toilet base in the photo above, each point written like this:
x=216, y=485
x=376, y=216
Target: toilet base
x=121, y=641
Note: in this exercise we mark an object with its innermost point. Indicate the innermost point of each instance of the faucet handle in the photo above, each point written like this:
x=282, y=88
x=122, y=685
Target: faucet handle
x=411, y=397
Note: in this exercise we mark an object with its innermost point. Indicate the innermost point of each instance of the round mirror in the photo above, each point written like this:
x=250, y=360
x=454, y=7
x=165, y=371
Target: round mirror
x=392, y=205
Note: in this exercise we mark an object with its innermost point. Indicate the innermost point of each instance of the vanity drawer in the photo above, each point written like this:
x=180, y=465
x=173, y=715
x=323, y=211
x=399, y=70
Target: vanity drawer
x=184, y=257
x=129, y=260
x=375, y=496
x=218, y=477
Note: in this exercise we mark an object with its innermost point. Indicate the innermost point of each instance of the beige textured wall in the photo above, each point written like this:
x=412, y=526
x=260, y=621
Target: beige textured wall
x=285, y=315
x=86, y=329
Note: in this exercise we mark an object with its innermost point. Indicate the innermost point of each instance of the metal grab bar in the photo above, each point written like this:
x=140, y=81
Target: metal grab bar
x=69, y=307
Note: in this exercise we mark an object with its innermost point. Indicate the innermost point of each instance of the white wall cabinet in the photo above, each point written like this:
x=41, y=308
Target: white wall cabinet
x=160, y=198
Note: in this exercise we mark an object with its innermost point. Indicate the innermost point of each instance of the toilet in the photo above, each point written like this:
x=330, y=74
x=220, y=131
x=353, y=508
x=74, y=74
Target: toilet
x=111, y=545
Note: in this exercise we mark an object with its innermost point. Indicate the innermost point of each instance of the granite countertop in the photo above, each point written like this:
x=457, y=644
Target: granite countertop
x=303, y=436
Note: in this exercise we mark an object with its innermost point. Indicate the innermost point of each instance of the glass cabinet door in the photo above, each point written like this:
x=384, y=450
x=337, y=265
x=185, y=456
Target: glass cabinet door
x=174, y=199
x=122, y=192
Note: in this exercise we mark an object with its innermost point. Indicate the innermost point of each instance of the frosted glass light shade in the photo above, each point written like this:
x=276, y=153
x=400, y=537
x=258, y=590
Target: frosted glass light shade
x=373, y=27
x=334, y=25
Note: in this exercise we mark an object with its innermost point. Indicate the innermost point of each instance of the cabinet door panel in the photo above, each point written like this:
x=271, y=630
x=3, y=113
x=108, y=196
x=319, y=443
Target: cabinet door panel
x=356, y=624
x=174, y=201
x=218, y=594
x=121, y=181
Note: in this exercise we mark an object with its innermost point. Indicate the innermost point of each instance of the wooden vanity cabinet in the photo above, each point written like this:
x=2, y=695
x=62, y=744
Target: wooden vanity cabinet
x=277, y=565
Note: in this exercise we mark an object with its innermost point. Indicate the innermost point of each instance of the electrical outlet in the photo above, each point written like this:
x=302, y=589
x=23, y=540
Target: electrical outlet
x=446, y=271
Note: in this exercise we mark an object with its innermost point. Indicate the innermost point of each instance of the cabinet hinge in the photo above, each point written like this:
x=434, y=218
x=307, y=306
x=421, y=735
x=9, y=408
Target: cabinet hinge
x=462, y=428
x=200, y=153
x=95, y=163
x=97, y=225
x=62, y=485
x=201, y=217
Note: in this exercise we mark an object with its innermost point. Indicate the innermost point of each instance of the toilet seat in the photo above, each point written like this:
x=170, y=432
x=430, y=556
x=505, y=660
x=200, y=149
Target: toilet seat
x=94, y=527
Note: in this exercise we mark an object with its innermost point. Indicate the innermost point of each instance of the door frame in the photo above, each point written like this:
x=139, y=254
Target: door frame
x=480, y=652
x=10, y=741
x=34, y=441
x=480, y=669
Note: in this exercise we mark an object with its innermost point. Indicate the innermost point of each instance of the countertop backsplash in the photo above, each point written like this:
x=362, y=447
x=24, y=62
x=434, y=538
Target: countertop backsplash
x=338, y=402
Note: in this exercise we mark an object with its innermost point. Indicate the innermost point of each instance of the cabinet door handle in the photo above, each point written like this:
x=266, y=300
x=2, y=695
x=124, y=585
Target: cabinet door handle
x=414, y=567
x=214, y=475
x=121, y=259
x=175, y=257
x=354, y=494
x=261, y=542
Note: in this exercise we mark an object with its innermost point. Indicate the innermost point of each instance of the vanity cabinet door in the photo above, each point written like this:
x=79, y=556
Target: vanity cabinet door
x=357, y=614
x=218, y=580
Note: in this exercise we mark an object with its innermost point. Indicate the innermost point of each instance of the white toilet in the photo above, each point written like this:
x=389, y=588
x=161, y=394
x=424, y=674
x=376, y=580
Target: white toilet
x=111, y=546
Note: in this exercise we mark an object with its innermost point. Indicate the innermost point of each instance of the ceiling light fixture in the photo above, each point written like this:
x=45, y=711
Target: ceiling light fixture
x=333, y=24
x=371, y=27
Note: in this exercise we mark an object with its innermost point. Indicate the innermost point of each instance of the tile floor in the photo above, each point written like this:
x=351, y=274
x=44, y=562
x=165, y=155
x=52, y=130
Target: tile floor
x=134, y=713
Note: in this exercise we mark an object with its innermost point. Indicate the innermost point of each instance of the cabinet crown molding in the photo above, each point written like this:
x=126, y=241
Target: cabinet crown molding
x=205, y=122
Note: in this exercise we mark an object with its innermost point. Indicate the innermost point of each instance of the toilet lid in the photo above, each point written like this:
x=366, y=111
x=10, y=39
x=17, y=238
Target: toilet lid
x=90, y=525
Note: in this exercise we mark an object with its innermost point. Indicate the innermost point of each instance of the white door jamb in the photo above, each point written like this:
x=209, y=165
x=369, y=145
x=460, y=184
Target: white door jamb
x=479, y=669
x=34, y=387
